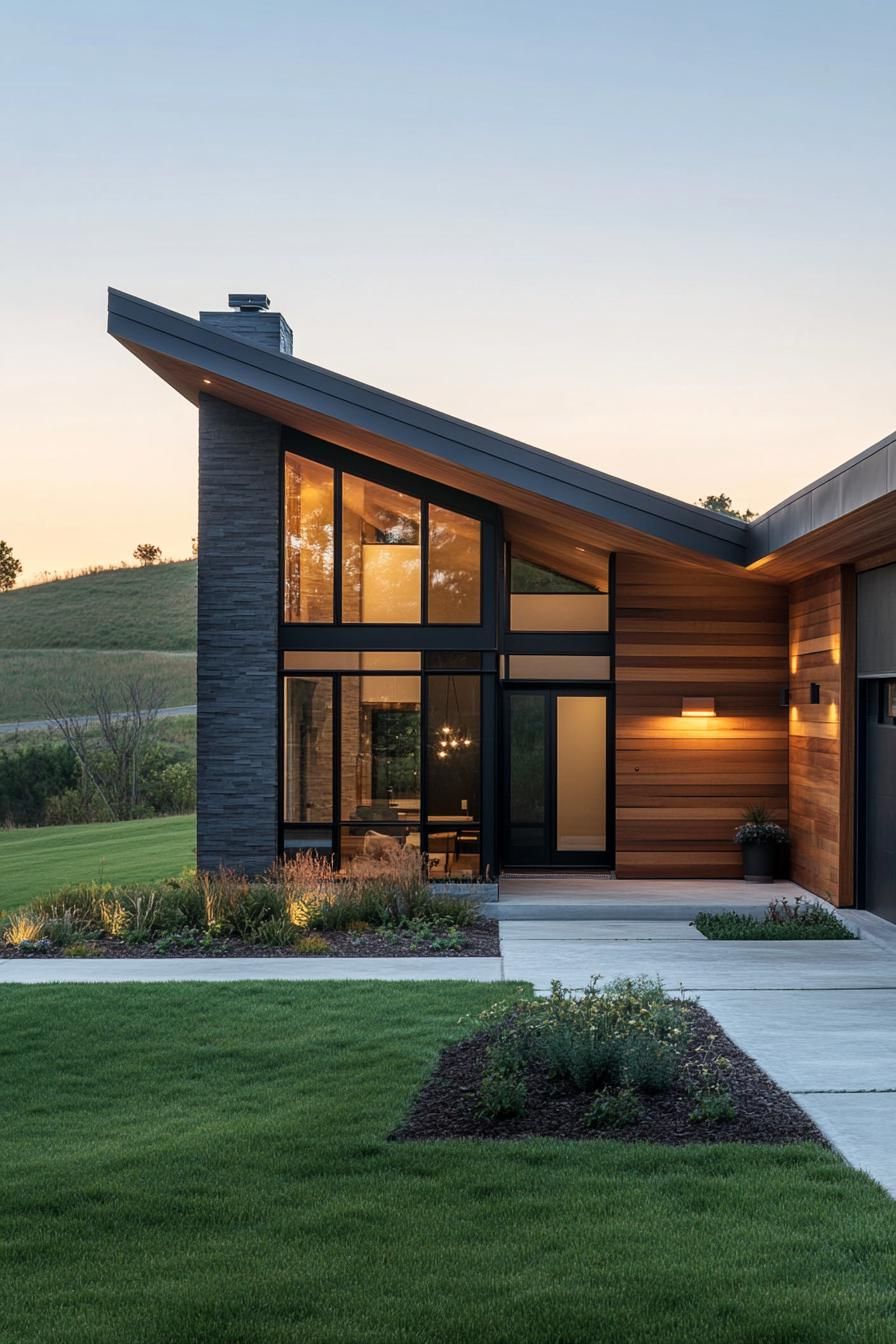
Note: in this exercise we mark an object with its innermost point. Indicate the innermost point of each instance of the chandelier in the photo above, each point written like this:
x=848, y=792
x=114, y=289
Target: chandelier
x=451, y=738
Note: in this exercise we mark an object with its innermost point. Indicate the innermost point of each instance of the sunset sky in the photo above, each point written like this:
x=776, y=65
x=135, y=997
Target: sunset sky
x=656, y=238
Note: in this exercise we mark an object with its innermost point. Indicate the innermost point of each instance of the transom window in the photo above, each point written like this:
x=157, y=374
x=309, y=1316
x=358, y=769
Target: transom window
x=357, y=552
x=547, y=598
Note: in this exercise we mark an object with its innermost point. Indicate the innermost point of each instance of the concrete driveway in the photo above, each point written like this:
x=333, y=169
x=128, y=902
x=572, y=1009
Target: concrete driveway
x=817, y=1016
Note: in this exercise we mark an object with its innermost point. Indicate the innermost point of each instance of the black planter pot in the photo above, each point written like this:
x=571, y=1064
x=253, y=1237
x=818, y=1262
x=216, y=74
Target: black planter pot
x=760, y=860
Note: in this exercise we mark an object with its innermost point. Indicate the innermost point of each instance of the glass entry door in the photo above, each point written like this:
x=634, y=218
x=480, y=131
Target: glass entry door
x=556, y=811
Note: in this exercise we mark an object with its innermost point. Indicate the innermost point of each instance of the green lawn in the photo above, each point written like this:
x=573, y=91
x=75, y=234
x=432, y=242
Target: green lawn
x=208, y=1163
x=141, y=608
x=29, y=676
x=33, y=862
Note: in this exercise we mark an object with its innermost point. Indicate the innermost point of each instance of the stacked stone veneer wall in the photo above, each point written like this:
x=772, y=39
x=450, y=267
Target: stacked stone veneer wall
x=237, y=682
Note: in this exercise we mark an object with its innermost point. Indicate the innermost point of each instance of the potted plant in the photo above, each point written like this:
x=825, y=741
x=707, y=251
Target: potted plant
x=761, y=841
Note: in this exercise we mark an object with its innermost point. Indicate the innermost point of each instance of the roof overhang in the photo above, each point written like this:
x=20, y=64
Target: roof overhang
x=572, y=498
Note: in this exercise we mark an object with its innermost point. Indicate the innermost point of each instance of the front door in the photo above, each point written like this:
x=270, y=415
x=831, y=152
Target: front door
x=556, y=809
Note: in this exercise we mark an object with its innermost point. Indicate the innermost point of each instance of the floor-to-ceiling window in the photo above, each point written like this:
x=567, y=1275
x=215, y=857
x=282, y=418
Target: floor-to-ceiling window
x=389, y=656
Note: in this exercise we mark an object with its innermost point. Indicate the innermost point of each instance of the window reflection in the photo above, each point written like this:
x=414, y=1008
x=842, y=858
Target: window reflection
x=308, y=749
x=455, y=547
x=308, y=569
x=544, y=598
x=380, y=554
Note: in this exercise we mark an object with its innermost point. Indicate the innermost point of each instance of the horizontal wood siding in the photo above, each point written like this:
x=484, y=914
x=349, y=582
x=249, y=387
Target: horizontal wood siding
x=821, y=764
x=682, y=784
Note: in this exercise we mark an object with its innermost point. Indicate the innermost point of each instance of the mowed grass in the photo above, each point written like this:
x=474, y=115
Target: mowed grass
x=30, y=677
x=39, y=860
x=209, y=1163
x=153, y=607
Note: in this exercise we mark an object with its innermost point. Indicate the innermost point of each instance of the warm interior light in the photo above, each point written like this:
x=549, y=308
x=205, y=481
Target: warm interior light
x=207, y=381
x=698, y=707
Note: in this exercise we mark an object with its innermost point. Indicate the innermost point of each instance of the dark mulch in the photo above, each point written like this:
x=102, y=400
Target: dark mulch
x=479, y=940
x=445, y=1108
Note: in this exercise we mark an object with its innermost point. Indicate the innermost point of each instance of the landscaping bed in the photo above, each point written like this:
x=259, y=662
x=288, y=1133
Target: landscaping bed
x=479, y=939
x=714, y=1093
x=377, y=908
x=783, y=920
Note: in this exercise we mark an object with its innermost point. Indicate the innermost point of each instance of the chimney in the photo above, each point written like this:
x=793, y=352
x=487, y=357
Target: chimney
x=249, y=320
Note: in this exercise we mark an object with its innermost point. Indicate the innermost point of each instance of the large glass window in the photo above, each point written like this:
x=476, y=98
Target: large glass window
x=308, y=541
x=453, y=750
x=455, y=578
x=543, y=598
x=378, y=576
x=380, y=554
x=380, y=760
x=308, y=749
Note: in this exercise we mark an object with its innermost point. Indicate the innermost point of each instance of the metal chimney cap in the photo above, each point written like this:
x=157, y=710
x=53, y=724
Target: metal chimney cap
x=249, y=303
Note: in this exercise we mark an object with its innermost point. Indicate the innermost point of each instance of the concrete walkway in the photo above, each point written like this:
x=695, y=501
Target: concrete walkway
x=817, y=1016
x=102, y=970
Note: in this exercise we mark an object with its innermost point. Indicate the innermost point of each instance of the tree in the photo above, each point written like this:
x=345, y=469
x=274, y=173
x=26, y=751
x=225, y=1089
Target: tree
x=10, y=567
x=723, y=504
x=148, y=554
x=110, y=745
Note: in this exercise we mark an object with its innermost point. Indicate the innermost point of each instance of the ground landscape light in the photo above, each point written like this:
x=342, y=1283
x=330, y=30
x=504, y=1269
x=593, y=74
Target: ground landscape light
x=698, y=707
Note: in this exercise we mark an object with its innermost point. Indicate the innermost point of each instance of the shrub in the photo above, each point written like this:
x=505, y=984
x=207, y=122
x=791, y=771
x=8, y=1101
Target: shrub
x=646, y=1063
x=628, y=1034
x=31, y=774
x=614, y=1110
x=502, y=1091
x=78, y=950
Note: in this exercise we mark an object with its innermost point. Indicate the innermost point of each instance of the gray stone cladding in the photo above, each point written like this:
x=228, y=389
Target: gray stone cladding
x=238, y=617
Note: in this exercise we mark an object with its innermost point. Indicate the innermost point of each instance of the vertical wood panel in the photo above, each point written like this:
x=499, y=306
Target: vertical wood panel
x=822, y=736
x=682, y=784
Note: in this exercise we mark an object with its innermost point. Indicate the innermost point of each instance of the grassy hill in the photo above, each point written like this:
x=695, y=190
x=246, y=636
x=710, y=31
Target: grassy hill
x=147, y=608
x=61, y=638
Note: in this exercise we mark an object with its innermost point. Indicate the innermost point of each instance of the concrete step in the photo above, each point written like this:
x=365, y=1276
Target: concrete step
x=560, y=908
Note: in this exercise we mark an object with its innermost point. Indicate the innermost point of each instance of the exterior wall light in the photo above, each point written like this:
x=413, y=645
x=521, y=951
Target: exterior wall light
x=784, y=697
x=814, y=693
x=698, y=707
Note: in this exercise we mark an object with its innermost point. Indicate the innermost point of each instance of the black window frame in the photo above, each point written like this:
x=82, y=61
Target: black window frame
x=485, y=826
x=338, y=634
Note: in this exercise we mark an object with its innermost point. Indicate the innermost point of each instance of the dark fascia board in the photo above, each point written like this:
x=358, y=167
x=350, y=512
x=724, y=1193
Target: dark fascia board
x=864, y=478
x=162, y=331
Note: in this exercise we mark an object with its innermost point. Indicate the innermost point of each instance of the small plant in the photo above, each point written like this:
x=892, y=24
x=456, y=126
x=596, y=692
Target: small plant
x=713, y=1108
x=78, y=950
x=171, y=941
x=23, y=927
x=708, y=1074
x=502, y=1092
x=312, y=945
x=757, y=827
x=113, y=917
x=614, y=1110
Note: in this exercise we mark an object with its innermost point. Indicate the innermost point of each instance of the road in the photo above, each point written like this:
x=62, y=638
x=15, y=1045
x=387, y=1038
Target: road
x=32, y=725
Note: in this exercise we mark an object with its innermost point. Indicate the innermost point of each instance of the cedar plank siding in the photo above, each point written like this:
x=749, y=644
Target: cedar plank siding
x=682, y=784
x=821, y=736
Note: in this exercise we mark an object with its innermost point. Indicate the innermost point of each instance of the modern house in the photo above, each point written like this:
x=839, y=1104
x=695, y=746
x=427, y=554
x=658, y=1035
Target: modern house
x=415, y=632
